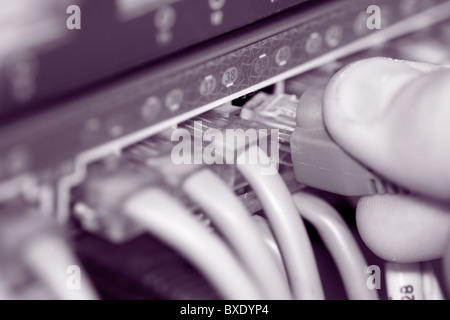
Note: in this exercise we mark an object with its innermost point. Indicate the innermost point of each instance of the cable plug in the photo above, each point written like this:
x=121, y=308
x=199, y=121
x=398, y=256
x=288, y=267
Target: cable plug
x=320, y=163
x=100, y=198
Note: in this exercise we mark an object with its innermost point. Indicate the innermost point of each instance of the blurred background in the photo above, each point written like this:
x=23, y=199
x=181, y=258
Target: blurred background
x=92, y=205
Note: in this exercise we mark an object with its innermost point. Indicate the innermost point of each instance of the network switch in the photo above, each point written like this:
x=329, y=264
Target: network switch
x=179, y=172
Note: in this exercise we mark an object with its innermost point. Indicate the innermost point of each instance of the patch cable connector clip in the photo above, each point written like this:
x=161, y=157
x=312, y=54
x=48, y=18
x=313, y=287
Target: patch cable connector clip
x=321, y=163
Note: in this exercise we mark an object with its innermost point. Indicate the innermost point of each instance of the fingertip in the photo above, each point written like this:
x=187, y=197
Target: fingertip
x=355, y=100
x=403, y=228
x=361, y=91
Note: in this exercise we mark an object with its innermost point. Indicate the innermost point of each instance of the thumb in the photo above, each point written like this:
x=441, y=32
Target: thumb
x=394, y=116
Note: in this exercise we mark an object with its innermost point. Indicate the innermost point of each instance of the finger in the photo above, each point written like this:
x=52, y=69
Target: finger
x=403, y=228
x=394, y=116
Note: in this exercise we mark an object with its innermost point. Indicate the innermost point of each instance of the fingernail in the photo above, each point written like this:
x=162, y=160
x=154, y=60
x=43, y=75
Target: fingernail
x=363, y=91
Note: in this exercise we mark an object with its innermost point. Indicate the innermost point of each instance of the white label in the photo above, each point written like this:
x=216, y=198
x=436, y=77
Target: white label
x=230, y=76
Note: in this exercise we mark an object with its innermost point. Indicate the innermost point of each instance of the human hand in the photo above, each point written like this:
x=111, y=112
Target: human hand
x=394, y=116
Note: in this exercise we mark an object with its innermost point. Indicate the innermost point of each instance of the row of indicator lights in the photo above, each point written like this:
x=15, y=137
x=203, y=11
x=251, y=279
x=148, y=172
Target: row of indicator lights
x=174, y=98
x=314, y=43
x=332, y=37
x=209, y=84
x=231, y=75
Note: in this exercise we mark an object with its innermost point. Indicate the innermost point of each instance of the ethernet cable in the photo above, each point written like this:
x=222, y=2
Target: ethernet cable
x=404, y=281
x=162, y=216
x=269, y=239
x=412, y=281
x=39, y=246
x=430, y=283
x=50, y=258
x=233, y=220
x=287, y=225
x=340, y=242
x=326, y=166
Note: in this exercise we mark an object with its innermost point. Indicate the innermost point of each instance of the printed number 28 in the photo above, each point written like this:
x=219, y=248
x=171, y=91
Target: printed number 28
x=408, y=292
